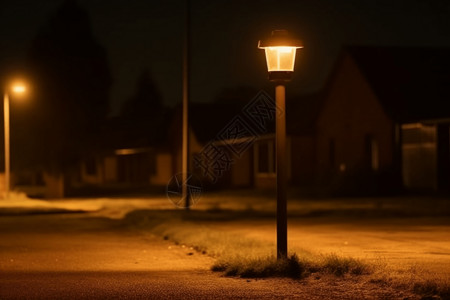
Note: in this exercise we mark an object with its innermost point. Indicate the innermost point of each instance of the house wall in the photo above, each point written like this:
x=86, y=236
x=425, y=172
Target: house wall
x=110, y=169
x=264, y=161
x=242, y=169
x=140, y=168
x=303, y=160
x=92, y=178
x=194, y=147
x=29, y=182
x=265, y=181
x=352, y=113
x=426, y=156
x=163, y=169
x=419, y=156
x=232, y=175
x=55, y=186
x=136, y=168
x=264, y=168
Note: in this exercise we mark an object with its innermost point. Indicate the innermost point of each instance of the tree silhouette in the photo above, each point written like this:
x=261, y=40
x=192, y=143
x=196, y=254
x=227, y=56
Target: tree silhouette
x=71, y=88
x=143, y=115
x=146, y=102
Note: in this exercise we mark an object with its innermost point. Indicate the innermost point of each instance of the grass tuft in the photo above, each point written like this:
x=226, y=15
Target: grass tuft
x=262, y=267
x=431, y=289
x=344, y=265
x=293, y=267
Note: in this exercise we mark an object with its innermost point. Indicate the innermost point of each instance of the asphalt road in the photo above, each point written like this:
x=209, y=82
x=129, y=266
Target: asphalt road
x=74, y=256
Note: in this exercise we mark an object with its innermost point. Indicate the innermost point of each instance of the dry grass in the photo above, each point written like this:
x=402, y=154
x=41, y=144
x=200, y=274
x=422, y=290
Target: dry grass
x=340, y=266
x=262, y=267
x=252, y=258
x=430, y=288
x=293, y=266
x=414, y=278
x=244, y=257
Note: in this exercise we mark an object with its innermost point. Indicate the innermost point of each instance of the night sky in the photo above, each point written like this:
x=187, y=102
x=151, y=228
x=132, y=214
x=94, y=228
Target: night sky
x=147, y=34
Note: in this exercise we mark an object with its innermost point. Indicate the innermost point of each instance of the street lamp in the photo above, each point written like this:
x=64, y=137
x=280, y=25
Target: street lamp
x=280, y=51
x=17, y=88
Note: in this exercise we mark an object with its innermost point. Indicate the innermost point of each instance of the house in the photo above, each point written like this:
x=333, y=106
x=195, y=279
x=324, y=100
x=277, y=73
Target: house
x=128, y=167
x=206, y=120
x=132, y=155
x=232, y=145
x=385, y=120
x=301, y=113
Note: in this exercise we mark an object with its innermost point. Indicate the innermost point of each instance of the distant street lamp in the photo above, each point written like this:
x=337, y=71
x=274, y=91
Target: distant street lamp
x=280, y=51
x=17, y=88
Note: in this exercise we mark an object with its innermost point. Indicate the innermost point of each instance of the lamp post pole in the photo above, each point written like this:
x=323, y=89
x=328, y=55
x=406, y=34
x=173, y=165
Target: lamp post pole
x=281, y=160
x=17, y=88
x=280, y=51
x=185, y=115
x=7, y=161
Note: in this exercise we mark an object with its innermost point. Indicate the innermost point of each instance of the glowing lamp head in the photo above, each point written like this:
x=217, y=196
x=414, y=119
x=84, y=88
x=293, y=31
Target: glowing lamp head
x=280, y=51
x=18, y=88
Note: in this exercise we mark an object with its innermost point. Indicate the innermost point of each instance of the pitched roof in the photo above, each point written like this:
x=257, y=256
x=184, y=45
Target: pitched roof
x=208, y=119
x=124, y=132
x=412, y=84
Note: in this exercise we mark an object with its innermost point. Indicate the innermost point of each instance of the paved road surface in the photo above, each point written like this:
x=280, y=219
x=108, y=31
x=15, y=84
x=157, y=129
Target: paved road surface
x=73, y=256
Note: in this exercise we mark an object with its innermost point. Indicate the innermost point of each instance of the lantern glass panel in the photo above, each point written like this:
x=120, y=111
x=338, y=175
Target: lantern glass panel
x=280, y=58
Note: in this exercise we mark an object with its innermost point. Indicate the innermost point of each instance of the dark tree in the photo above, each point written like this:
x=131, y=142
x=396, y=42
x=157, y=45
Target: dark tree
x=143, y=115
x=71, y=88
x=146, y=102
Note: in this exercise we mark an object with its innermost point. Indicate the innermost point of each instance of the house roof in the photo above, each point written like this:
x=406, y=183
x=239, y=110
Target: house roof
x=412, y=84
x=208, y=119
x=123, y=133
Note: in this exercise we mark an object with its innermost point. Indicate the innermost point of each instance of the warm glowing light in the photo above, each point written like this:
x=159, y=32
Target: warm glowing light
x=280, y=58
x=131, y=151
x=280, y=51
x=18, y=88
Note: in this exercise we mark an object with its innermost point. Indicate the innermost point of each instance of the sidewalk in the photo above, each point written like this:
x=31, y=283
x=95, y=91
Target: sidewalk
x=20, y=204
x=114, y=208
x=237, y=200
